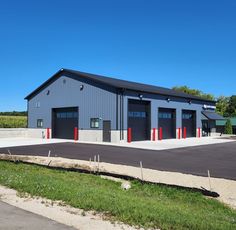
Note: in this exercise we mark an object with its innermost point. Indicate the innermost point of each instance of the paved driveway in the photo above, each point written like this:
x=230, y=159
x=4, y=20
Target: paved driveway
x=12, y=218
x=220, y=159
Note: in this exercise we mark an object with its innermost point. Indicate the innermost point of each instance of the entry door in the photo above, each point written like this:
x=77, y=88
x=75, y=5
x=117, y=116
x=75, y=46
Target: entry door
x=107, y=131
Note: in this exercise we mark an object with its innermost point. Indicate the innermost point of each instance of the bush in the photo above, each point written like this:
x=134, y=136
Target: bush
x=228, y=127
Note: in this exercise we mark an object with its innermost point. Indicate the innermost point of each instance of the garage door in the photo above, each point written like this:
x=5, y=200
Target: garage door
x=139, y=119
x=189, y=123
x=167, y=121
x=64, y=121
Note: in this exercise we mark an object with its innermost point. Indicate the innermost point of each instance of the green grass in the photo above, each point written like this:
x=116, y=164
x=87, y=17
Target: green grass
x=143, y=205
x=13, y=121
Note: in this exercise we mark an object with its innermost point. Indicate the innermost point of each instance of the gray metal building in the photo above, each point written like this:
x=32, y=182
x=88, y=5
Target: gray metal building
x=113, y=110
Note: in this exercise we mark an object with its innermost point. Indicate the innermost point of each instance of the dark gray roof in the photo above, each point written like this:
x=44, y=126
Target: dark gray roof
x=117, y=83
x=211, y=115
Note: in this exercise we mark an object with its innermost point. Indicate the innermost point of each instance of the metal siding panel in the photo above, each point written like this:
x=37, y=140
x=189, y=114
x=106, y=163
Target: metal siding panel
x=92, y=102
x=160, y=101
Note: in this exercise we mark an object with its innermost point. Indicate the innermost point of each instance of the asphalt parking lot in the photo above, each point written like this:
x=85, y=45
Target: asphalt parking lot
x=220, y=159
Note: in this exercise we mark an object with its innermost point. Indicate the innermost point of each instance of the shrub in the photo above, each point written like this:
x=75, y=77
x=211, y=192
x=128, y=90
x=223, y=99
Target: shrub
x=228, y=127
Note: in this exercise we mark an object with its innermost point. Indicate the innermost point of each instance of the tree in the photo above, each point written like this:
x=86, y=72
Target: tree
x=228, y=127
x=194, y=92
x=222, y=105
x=231, y=109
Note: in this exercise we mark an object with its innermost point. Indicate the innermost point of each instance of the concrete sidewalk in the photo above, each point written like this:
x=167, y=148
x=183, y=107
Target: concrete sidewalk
x=169, y=143
x=37, y=213
x=13, y=218
x=151, y=145
x=25, y=141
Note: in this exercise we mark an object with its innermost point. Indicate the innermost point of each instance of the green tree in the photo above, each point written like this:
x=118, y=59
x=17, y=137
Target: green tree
x=222, y=105
x=228, y=127
x=231, y=109
x=194, y=92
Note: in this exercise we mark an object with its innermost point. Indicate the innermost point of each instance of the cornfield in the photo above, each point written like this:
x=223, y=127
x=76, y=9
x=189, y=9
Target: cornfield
x=13, y=121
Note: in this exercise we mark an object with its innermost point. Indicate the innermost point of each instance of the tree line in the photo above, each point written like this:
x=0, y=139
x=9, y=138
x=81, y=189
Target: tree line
x=14, y=113
x=226, y=106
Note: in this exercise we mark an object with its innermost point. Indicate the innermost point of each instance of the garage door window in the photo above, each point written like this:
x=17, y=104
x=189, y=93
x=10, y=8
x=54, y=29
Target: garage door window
x=67, y=115
x=94, y=122
x=137, y=114
x=165, y=115
x=40, y=123
x=187, y=116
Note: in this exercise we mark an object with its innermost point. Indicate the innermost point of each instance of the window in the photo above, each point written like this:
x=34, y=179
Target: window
x=37, y=104
x=137, y=114
x=187, y=116
x=40, y=123
x=63, y=115
x=94, y=123
x=166, y=115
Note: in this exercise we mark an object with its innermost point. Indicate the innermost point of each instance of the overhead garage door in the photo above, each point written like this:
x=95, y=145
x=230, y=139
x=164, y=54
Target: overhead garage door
x=139, y=119
x=64, y=121
x=189, y=123
x=167, y=122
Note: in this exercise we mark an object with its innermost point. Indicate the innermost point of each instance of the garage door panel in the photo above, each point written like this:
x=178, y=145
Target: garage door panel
x=139, y=119
x=189, y=122
x=167, y=121
x=64, y=122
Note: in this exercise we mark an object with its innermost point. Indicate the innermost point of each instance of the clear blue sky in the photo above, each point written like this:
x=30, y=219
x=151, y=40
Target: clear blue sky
x=159, y=42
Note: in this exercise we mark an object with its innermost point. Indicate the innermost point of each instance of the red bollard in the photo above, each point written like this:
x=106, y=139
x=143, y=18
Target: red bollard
x=199, y=132
x=160, y=133
x=185, y=132
x=129, y=135
x=48, y=133
x=76, y=134
x=179, y=133
x=154, y=134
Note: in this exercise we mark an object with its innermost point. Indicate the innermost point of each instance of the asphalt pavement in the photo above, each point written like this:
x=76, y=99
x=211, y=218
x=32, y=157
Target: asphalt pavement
x=220, y=159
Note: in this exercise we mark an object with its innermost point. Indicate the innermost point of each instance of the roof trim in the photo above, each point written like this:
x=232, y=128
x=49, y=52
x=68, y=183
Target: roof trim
x=116, y=83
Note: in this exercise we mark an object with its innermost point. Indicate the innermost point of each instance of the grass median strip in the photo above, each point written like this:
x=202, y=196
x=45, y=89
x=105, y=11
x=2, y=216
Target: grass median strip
x=146, y=205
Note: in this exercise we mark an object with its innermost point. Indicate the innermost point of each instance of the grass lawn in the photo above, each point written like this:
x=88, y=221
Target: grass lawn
x=143, y=205
x=13, y=121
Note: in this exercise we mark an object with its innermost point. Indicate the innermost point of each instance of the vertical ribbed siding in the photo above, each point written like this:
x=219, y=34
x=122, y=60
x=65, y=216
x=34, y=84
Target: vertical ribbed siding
x=92, y=101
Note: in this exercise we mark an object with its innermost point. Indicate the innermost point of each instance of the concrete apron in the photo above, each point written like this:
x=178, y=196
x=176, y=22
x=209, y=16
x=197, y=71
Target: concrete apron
x=224, y=187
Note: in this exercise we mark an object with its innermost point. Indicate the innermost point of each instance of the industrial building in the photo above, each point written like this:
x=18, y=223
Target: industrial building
x=89, y=107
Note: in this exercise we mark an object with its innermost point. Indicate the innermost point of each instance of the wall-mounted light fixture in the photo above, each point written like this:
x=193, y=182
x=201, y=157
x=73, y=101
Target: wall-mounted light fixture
x=48, y=92
x=140, y=96
x=190, y=102
x=168, y=99
x=81, y=87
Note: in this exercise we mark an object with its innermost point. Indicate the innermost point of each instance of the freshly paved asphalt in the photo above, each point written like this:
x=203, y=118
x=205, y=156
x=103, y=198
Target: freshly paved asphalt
x=220, y=159
x=12, y=218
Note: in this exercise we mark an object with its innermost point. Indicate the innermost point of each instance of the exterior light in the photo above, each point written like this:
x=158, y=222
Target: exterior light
x=81, y=87
x=140, y=96
x=190, y=102
x=168, y=99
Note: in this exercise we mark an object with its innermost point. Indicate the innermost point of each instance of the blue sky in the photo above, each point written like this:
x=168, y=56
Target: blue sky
x=165, y=43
